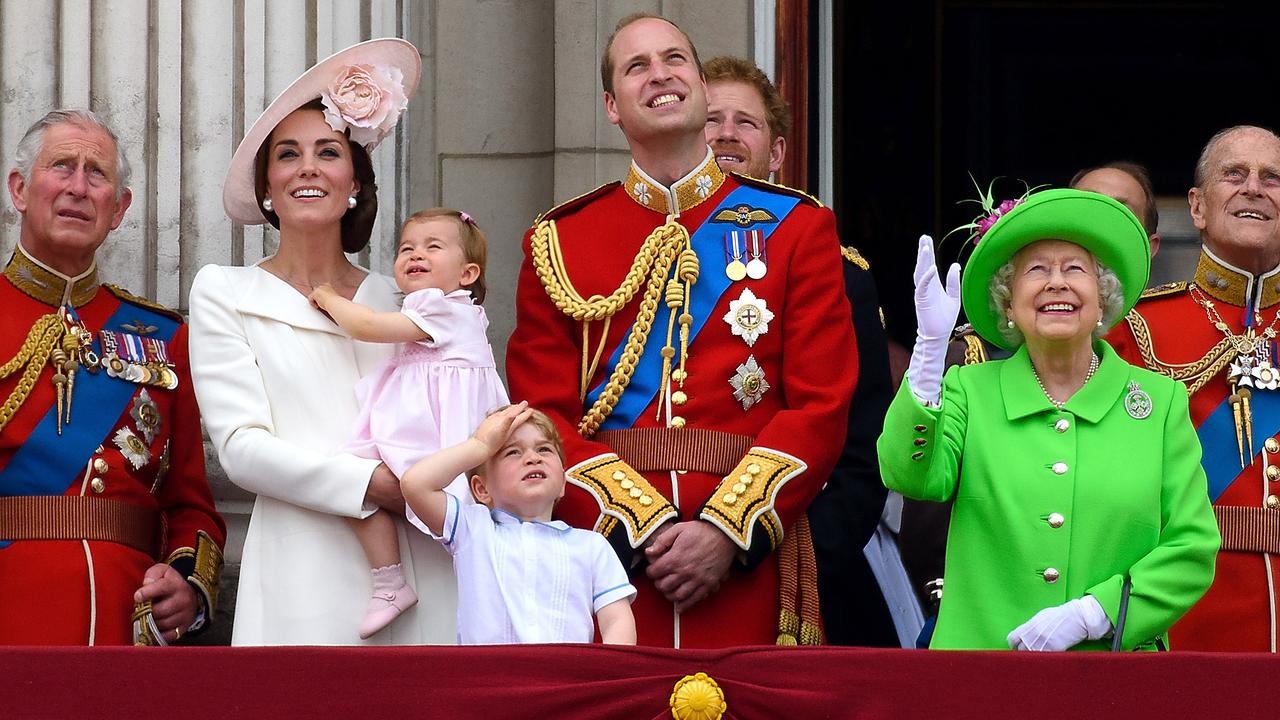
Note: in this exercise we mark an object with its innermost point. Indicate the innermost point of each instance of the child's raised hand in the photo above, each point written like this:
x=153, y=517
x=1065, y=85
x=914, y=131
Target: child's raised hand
x=320, y=295
x=495, y=429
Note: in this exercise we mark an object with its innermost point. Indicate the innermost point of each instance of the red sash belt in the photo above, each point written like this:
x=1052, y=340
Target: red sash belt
x=1249, y=529
x=64, y=517
x=696, y=449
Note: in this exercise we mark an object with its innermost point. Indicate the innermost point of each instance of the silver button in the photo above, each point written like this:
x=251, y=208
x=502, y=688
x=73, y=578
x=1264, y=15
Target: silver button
x=1051, y=575
x=1056, y=520
x=1059, y=468
x=1062, y=425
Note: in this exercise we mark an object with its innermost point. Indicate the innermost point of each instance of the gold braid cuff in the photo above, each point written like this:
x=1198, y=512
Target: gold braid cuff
x=650, y=267
x=624, y=495
x=747, y=495
x=1194, y=374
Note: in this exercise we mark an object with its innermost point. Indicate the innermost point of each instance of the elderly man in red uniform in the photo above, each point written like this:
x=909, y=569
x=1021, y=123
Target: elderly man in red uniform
x=108, y=533
x=1217, y=334
x=677, y=326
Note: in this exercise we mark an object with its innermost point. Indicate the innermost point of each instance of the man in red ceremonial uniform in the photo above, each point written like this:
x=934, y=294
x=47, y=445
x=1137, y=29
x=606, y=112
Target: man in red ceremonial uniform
x=108, y=532
x=678, y=327
x=1217, y=334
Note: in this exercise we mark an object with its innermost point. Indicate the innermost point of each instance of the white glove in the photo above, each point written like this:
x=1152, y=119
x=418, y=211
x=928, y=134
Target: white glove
x=1058, y=628
x=936, y=312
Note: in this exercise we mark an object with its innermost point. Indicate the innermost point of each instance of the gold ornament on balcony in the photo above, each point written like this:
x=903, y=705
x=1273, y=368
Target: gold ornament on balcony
x=697, y=697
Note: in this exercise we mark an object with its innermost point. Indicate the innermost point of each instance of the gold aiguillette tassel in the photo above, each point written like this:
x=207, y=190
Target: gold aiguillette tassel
x=1246, y=410
x=58, y=357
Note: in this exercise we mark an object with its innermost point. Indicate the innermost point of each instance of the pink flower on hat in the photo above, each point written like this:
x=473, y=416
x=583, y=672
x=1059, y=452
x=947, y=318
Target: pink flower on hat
x=367, y=100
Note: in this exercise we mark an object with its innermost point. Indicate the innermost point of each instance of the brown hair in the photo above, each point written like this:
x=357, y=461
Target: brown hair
x=357, y=223
x=1151, y=218
x=606, y=60
x=727, y=68
x=474, y=246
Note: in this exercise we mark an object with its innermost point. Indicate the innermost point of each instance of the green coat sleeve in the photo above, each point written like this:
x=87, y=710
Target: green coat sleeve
x=920, y=447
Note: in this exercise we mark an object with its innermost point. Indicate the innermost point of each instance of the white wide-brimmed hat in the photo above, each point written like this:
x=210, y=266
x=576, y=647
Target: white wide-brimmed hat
x=365, y=88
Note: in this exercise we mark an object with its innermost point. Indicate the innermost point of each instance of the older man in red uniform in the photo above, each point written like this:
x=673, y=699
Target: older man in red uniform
x=678, y=327
x=1217, y=334
x=108, y=533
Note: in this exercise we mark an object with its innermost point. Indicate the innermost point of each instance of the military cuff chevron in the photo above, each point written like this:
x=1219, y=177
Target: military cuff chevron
x=624, y=496
x=745, y=497
x=201, y=567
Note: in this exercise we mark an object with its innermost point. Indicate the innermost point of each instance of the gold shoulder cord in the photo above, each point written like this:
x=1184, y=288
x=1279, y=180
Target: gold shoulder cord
x=34, y=353
x=974, y=352
x=651, y=267
x=1194, y=374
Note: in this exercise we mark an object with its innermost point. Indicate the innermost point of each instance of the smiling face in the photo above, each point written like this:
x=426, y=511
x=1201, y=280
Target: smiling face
x=309, y=171
x=1238, y=210
x=1054, y=295
x=525, y=477
x=430, y=255
x=738, y=132
x=69, y=203
x=657, y=88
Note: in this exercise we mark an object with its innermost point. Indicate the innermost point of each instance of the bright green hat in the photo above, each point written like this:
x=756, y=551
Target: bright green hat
x=1095, y=222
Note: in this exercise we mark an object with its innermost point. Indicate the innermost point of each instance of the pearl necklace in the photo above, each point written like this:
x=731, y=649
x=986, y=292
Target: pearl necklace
x=1093, y=367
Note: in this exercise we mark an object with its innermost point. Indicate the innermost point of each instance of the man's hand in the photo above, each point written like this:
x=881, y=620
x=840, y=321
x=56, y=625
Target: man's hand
x=384, y=490
x=173, y=601
x=688, y=562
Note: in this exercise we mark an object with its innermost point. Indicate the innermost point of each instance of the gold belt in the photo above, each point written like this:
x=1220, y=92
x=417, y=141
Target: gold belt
x=694, y=449
x=1248, y=529
x=64, y=517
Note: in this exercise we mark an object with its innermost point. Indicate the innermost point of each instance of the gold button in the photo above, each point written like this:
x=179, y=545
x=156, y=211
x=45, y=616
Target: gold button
x=99, y=465
x=1056, y=520
x=1273, y=473
x=635, y=492
x=679, y=398
x=627, y=483
x=917, y=455
x=619, y=475
x=754, y=469
x=677, y=422
x=745, y=478
x=1273, y=501
x=1051, y=575
x=1062, y=425
x=739, y=488
x=730, y=498
x=97, y=485
x=1059, y=468
x=1271, y=445
x=646, y=500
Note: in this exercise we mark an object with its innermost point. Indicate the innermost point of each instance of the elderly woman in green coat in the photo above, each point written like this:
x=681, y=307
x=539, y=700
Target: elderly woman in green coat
x=1074, y=474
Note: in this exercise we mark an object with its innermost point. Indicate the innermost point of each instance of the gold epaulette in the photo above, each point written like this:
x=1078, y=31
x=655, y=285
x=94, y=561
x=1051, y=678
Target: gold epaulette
x=747, y=494
x=132, y=299
x=1169, y=288
x=852, y=255
x=575, y=203
x=624, y=495
x=766, y=185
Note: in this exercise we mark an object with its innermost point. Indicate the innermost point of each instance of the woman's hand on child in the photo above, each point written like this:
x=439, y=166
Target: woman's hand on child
x=496, y=428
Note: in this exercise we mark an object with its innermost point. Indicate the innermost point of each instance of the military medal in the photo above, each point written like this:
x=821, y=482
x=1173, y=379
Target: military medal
x=748, y=317
x=734, y=268
x=748, y=383
x=132, y=447
x=756, y=267
x=146, y=416
x=139, y=360
x=1137, y=402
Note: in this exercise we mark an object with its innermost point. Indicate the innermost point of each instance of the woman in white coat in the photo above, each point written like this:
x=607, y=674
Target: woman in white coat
x=276, y=378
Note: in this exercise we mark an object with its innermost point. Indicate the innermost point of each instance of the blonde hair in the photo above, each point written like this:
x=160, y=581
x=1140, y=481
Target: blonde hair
x=537, y=419
x=474, y=246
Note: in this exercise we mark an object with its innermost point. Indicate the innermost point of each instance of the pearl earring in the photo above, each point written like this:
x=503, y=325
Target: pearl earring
x=266, y=204
x=1009, y=324
x=1099, y=322
x=351, y=202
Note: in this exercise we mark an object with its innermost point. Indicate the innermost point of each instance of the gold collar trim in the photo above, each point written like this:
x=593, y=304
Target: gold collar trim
x=687, y=192
x=1222, y=281
x=48, y=285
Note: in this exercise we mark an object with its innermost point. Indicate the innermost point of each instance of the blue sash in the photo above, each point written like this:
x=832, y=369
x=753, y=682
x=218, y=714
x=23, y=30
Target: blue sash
x=1221, y=458
x=708, y=243
x=45, y=461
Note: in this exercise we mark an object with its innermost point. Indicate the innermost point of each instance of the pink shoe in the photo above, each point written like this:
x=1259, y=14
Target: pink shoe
x=391, y=596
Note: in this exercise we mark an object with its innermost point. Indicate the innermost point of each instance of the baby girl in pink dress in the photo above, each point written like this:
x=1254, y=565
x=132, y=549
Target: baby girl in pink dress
x=437, y=387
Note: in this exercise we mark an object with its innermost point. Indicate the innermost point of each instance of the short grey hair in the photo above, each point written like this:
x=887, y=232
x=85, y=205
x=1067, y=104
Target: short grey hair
x=1110, y=292
x=32, y=142
x=1202, y=164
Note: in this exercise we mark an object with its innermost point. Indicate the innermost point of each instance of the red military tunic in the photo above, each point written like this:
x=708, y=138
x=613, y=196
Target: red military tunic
x=1173, y=332
x=78, y=591
x=749, y=437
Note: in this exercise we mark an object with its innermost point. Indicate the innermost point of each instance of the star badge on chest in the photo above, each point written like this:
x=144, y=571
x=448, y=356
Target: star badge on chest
x=146, y=415
x=748, y=383
x=748, y=317
x=132, y=447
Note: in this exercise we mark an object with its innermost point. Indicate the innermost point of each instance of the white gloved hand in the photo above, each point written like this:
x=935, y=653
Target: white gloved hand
x=1058, y=628
x=936, y=311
